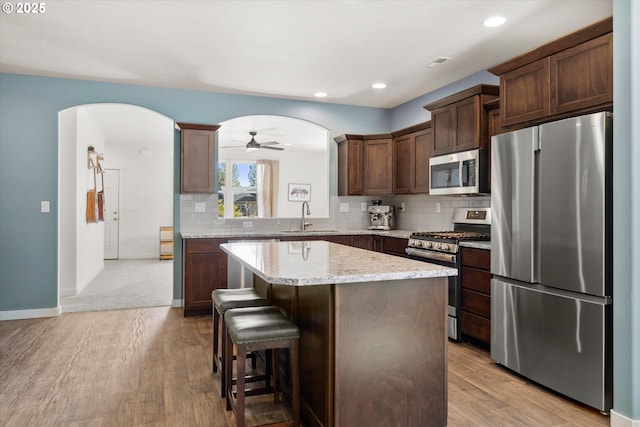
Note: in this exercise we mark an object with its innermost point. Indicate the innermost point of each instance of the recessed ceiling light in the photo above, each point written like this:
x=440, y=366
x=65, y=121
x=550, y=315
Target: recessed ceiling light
x=320, y=94
x=378, y=85
x=494, y=21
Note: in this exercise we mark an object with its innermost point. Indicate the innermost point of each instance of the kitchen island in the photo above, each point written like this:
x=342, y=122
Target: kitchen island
x=373, y=330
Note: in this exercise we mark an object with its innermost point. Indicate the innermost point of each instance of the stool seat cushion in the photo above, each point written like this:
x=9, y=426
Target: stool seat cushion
x=259, y=324
x=224, y=299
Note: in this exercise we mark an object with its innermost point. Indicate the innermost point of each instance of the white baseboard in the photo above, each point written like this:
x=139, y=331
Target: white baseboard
x=176, y=303
x=30, y=314
x=619, y=420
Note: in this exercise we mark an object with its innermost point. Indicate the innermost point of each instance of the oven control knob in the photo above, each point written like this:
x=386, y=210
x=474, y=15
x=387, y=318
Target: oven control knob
x=426, y=245
x=444, y=247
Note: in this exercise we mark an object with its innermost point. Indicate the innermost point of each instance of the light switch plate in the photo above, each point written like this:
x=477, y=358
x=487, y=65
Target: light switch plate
x=44, y=206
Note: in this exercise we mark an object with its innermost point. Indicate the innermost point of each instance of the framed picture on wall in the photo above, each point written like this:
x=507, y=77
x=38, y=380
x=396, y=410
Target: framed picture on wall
x=299, y=192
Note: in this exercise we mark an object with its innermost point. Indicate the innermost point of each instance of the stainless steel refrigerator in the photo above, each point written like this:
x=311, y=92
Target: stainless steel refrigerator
x=551, y=229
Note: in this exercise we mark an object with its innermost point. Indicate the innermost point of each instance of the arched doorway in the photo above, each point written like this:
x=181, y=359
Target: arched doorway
x=135, y=146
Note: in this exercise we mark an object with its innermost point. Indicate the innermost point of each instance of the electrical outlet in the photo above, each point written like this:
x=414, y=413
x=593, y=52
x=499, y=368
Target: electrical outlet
x=247, y=224
x=438, y=207
x=200, y=206
x=363, y=206
x=402, y=208
x=44, y=206
x=344, y=207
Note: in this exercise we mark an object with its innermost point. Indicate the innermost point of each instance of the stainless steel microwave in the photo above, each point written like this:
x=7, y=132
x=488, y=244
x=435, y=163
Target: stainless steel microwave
x=466, y=172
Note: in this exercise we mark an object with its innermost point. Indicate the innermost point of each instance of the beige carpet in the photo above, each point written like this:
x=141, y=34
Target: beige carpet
x=125, y=284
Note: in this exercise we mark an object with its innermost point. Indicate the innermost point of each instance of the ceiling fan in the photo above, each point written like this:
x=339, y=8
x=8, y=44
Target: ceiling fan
x=254, y=145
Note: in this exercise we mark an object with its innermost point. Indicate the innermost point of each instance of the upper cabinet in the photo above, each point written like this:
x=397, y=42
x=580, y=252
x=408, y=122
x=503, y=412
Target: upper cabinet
x=378, y=165
x=197, y=157
x=365, y=165
x=459, y=121
x=571, y=75
x=411, y=152
x=350, y=165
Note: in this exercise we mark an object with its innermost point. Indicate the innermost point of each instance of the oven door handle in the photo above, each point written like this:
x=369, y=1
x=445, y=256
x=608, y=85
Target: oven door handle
x=439, y=256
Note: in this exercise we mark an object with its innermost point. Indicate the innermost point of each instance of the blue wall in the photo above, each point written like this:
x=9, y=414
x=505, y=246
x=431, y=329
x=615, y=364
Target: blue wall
x=29, y=109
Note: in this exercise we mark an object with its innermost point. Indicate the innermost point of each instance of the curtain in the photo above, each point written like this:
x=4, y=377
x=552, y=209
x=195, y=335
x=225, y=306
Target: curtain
x=267, y=187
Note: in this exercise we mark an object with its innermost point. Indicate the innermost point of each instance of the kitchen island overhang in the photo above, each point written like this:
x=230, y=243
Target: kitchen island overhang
x=373, y=346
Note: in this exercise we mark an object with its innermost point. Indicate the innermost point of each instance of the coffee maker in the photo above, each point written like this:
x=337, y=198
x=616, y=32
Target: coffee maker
x=381, y=217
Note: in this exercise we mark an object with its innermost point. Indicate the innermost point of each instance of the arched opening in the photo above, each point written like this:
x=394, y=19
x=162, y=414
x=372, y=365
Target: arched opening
x=132, y=163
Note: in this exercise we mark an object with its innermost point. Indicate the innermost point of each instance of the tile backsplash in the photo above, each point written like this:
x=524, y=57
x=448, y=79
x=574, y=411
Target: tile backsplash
x=198, y=212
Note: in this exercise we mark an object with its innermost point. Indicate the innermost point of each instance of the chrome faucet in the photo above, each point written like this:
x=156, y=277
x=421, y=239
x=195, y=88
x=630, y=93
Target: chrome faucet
x=303, y=224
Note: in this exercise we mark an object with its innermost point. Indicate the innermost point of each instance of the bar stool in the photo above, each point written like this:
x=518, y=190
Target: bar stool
x=260, y=328
x=223, y=300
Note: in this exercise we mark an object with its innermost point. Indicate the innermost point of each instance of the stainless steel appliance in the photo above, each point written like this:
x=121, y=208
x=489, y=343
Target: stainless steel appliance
x=382, y=217
x=466, y=172
x=443, y=248
x=551, y=313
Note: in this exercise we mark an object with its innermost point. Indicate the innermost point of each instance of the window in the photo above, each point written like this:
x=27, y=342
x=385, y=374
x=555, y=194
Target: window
x=241, y=189
x=239, y=186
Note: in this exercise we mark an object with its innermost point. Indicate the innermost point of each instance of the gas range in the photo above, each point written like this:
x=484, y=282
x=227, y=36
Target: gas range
x=445, y=241
x=468, y=224
x=443, y=248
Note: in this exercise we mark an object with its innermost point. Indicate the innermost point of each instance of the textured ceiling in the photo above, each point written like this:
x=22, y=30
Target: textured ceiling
x=284, y=49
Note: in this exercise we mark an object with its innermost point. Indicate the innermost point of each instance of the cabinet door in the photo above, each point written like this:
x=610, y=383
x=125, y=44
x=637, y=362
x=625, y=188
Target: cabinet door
x=197, y=156
x=351, y=167
x=202, y=274
x=524, y=93
x=466, y=117
x=423, y=142
x=582, y=76
x=404, y=158
x=363, y=241
x=394, y=246
x=443, y=133
x=378, y=166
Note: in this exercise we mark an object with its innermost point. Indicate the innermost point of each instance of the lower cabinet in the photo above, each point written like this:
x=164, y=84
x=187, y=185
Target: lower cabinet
x=363, y=241
x=205, y=269
x=475, y=277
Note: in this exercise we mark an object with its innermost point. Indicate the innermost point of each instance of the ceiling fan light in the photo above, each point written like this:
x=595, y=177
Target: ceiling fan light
x=320, y=94
x=379, y=85
x=249, y=149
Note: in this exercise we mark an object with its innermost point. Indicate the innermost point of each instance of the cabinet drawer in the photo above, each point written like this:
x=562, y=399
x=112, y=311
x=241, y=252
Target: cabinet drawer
x=475, y=326
x=476, y=302
x=203, y=246
x=477, y=280
x=394, y=245
x=478, y=258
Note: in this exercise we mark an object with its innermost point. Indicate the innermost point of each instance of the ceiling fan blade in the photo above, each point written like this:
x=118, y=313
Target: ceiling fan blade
x=269, y=143
x=271, y=148
x=234, y=146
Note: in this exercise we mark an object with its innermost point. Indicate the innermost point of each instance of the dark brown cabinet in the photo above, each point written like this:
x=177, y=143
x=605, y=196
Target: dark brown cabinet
x=475, y=317
x=365, y=165
x=197, y=157
x=411, y=152
x=363, y=241
x=378, y=165
x=459, y=121
x=205, y=269
x=350, y=165
x=394, y=246
x=569, y=76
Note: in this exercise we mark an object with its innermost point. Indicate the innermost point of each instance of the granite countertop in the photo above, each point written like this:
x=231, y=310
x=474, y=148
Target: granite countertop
x=226, y=234
x=320, y=263
x=477, y=244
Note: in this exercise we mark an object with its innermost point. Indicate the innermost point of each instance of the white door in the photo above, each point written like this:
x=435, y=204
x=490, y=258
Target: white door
x=111, y=213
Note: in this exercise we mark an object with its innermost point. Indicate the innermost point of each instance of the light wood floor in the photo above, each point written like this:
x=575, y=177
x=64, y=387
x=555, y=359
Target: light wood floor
x=152, y=366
